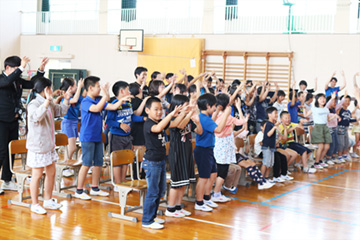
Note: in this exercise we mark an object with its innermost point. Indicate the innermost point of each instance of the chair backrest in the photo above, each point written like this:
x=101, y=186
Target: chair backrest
x=61, y=139
x=239, y=143
x=103, y=137
x=79, y=126
x=16, y=147
x=140, y=151
x=57, y=125
x=251, y=142
x=121, y=157
x=299, y=133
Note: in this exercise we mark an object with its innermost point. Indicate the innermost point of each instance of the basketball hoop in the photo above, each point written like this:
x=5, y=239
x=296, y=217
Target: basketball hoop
x=125, y=48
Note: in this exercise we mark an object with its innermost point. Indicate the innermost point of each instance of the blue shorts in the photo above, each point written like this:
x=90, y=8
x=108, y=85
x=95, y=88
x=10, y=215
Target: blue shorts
x=70, y=127
x=92, y=154
x=205, y=161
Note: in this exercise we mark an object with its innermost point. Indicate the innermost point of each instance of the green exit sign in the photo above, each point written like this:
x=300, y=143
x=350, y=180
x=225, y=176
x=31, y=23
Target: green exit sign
x=55, y=48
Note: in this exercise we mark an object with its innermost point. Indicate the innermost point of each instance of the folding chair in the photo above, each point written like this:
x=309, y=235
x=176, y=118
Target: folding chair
x=62, y=140
x=21, y=173
x=121, y=157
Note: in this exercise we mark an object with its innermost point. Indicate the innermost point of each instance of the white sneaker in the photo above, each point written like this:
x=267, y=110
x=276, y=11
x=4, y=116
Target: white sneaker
x=154, y=225
x=288, y=173
x=221, y=198
x=174, y=214
x=354, y=155
x=278, y=179
x=68, y=172
x=265, y=185
x=347, y=158
x=203, y=207
x=329, y=162
x=324, y=165
x=286, y=177
x=99, y=193
x=342, y=160
x=159, y=220
x=11, y=186
x=37, y=209
x=309, y=170
x=336, y=161
x=318, y=166
x=82, y=196
x=52, y=204
x=211, y=203
x=183, y=211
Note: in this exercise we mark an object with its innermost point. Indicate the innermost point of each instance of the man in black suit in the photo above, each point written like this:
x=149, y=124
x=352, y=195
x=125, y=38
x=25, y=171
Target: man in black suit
x=11, y=86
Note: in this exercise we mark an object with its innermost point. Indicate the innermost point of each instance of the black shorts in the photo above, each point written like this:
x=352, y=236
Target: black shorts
x=222, y=170
x=205, y=161
x=297, y=147
x=240, y=157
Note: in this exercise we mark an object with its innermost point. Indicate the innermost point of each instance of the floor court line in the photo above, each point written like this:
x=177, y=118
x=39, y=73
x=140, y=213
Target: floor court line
x=220, y=224
x=295, y=211
x=330, y=186
x=307, y=185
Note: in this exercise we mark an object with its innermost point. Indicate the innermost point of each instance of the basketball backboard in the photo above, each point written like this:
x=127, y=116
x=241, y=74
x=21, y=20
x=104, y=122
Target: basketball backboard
x=133, y=38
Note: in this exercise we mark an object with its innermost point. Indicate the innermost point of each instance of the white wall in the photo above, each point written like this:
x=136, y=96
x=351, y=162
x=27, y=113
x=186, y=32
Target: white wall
x=96, y=53
x=315, y=55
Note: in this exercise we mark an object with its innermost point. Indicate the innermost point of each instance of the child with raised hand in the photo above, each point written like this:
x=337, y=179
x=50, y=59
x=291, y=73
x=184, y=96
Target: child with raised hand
x=120, y=123
x=204, y=150
x=320, y=134
x=224, y=150
x=40, y=142
x=91, y=134
x=154, y=163
x=333, y=88
x=69, y=125
x=181, y=157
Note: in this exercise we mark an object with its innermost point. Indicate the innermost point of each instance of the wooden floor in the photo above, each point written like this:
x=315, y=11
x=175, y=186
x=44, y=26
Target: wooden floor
x=325, y=205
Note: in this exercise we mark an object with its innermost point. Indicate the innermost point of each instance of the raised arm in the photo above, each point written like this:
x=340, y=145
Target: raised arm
x=274, y=97
x=165, y=121
x=100, y=105
x=195, y=79
x=222, y=123
x=344, y=85
x=328, y=82
x=76, y=96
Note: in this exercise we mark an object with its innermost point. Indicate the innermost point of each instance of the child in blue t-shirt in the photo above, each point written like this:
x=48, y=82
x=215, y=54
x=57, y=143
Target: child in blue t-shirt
x=119, y=122
x=91, y=134
x=204, y=150
x=293, y=106
x=333, y=88
x=69, y=125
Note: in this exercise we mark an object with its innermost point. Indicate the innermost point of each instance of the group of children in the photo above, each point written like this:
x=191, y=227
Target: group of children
x=139, y=114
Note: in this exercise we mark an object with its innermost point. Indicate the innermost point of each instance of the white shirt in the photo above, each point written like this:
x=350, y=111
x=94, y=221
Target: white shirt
x=280, y=107
x=258, y=139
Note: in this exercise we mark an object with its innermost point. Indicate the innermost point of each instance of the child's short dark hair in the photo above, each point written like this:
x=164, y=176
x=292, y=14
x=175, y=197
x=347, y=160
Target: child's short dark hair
x=66, y=83
x=150, y=101
x=309, y=96
x=291, y=94
x=319, y=95
x=90, y=81
x=205, y=100
x=258, y=90
x=355, y=103
x=13, y=61
x=334, y=78
x=299, y=93
x=221, y=80
x=181, y=87
x=209, y=79
x=212, y=91
x=119, y=85
x=190, y=77
x=283, y=113
x=270, y=110
x=328, y=99
x=169, y=75
x=249, y=81
x=139, y=70
x=222, y=99
x=262, y=124
x=236, y=82
x=346, y=97
x=281, y=93
x=192, y=88
x=303, y=82
x=134, y=89
x=154, y=75
x=178, y=100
